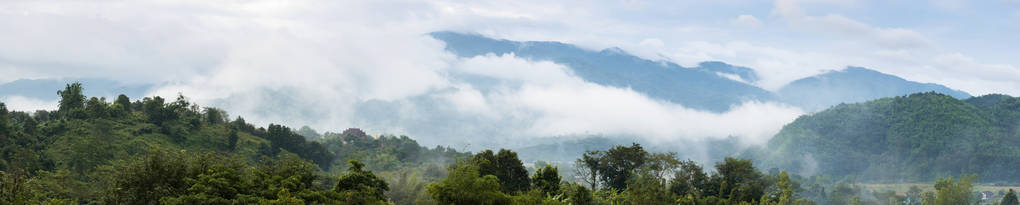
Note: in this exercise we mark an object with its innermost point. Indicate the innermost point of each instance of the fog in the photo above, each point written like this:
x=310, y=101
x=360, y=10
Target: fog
x=482, y=102
x=333, y=65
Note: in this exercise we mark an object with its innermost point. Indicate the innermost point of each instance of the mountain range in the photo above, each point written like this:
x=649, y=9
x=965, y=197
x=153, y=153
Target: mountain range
x=713, y=86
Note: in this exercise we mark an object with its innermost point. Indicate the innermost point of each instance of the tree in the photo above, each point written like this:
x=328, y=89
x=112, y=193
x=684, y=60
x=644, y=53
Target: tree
x=155, y=110
x=97, y=108
x=786, y=189
x=147, y=179
x=949, y=192
x=662, y=164
x=588, y=167
x=1009, y=198
x=464, y=185
x=506, y=167
x=215, y=116
x=646, y=188
x=5, y=122
x=577, y=194
x=547, y=179
x=620, y=162
x=124, y=102
x=232, y=140
x=408, y=187
x=689, y=180
x=742, y=181
x=362, y=182
x=71, y=100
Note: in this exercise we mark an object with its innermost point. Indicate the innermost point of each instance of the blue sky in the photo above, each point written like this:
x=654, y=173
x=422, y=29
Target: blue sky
x=334, y=57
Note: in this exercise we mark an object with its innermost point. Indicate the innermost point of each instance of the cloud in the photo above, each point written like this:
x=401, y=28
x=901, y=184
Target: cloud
x=26, y=104
x=973, y=76
x=746, y=21
x=562, y=104
x=369, y=64
x=843, y=27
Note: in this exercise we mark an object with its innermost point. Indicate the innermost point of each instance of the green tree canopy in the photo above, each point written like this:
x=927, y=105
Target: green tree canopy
x=361, y=182
x=547, y=179
x=1009, y=198
x=465, y=185
x=71, y=99
x=506, y=167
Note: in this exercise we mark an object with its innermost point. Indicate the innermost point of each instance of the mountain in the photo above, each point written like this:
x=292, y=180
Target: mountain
x=712, y=85
x=43, y=89
x=853, y=84
x=706, y=87
x=906, y=138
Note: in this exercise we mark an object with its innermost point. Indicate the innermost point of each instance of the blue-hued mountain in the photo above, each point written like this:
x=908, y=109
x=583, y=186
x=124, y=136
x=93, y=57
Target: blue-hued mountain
x=851, y=85
x=706, y=87
x=44, y=89
x=713, y=85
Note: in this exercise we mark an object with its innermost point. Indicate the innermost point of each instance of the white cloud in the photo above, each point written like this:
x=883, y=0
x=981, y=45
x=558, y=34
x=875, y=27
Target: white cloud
x=27, y=104
x=335, y=64
x=963, y=72
x=843, y=27
x=567, y=105
x=747, y=21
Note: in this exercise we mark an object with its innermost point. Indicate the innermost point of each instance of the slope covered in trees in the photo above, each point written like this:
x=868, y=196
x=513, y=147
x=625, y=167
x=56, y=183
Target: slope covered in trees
x=150, y=151
x=909, y=138
x=154, y=151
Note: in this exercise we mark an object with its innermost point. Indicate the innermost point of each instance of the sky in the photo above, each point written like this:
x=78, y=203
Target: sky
x=370, y=64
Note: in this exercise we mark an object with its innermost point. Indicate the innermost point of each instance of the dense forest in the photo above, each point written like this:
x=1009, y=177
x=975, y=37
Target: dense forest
x=911, y=138
x=151, y=151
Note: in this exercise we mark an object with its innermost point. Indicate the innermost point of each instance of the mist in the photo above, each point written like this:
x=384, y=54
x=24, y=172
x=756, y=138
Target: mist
x=372, y=65
x=484, y=102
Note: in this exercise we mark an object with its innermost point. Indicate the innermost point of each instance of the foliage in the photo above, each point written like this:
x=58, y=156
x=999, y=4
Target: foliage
x=915, y=138
x=505, y=165
x=1009, y=198
x=948, y=191
x=465, y=185
x=360, y=182
x=547, y=180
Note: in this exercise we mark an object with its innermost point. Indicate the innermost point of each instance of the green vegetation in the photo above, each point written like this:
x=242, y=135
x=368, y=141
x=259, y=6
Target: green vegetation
x=150, y=151
x=912, y=138
x=1009, y=198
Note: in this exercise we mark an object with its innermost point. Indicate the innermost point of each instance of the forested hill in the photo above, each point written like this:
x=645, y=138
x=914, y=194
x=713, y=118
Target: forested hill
x=151, y=151
x=156, y=151
x=909, y=138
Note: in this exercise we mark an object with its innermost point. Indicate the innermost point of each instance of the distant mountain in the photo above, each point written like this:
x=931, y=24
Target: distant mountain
x=713, y=85
x=706, y=87
x=743, y=74
x=45, y=89
x=853, y=84
x=909, y=138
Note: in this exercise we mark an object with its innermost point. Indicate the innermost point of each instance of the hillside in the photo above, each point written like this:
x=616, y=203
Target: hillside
x=154, y=150
x=851, y=85
x=909, y=138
